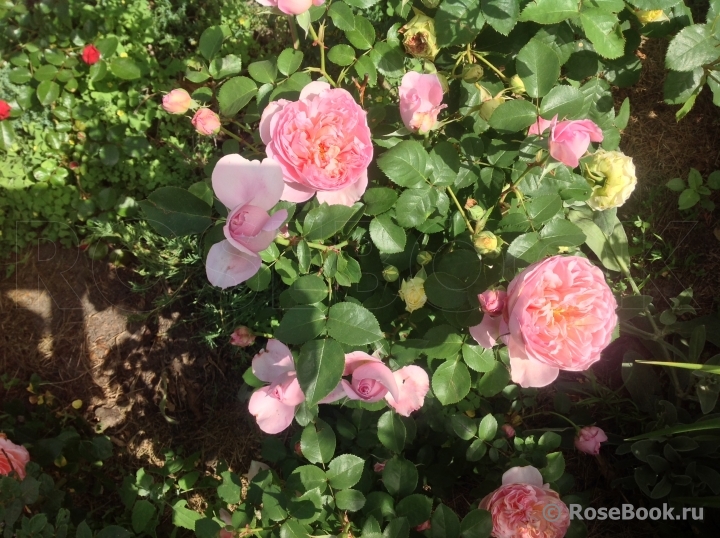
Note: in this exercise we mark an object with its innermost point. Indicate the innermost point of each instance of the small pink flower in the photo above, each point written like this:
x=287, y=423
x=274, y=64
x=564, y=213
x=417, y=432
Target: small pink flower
x=378, y=467
x=423, y=526
x=242, y=337
x=525, y=508
x=13, y=458
x=322, y=142
x=291, y=7
x=508, y=430
x=413, y=384
x=177, y=101
x=248, y=189
x=420, y=101
x=5, y=110
x=206, y=122
x=569, y=139
x=589, y=439
x=273, y=406
x=371, y=380
x=91, y=54
x=493, y=301
x=560, y=315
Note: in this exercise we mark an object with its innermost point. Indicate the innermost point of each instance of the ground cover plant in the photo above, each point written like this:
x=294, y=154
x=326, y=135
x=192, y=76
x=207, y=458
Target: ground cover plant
x=423, y=200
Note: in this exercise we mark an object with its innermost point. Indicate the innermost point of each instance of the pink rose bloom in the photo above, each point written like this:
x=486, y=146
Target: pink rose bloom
x=274, y=406
x=423, y=526
x=420, y=101
x=248, y=189
x=589, y=439
x=242, y=337
x=371, y=380
x=13, y=458
x=378, y=467
x=508, y=430
x=413, y=384
x=291, y=7
x=525, y=508
x=322, y=141
x=206, y=122
x=177, y=101
x=569, y=139
x=492, y=301
x=560, y=315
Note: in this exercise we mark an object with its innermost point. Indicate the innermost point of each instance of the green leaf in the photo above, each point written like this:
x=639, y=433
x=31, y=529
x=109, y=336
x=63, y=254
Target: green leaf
x=513, y=116
x=400, y=476
x=317, y=442
x=555, y=467
x=125, y=68
x=263, y=71
x=211, y=42
x=292, y=529
x=345, y=471
x=300, y=324
x=175, y=212
x=604, y=32
x=451, y=382
x=307, y=477
x=107, y=45
x=502, y=15
x=309, y=289
x=352, y=324
x=342, y=16
x=688, y=198
x=378, y=200
x=203, y=191
x=413, y=207
x=98, y=71
x=142, y=513
x=397, y=528
x=549, y=11
x=445, y=290
x=488, y=428
x=416, y=508
x=476, y=524
x=234, y=94
x=463, y=426
x=363, y=35
x=538, y=66
x=389, y=60
x=445, y=523
x=476, y=451
x=405, y=164
x=563, y=101
x=478, y=358
x=341, y=54
x=350, y=500
x=115, y=531
x=182, y=516
x=693, y=47
x=20, y=75
x=7, y=139
x=47, y=92
x=231, y=488
x=549, y=441
x=391, y=431
x=319, y=368
x=326, y=220
x=611, y=249
x=45, y=72
x=225, y=66
x=387, y=236
x=443, y=342
x=289, y=61
x=458, y=22
x=561, y=233
x=494, y=381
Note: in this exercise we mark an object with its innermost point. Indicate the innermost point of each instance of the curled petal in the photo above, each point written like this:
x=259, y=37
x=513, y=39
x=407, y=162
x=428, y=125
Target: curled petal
x=413, y=384
x=487, y=332
x=227, y=266
x=356, y=359
x=273, y=362
x=531, y=373
x=271, y=414
x=314, y=88
x=237, y=181
x=296, y=193
x=377, y=371
x=541, y=125
x=523, y=475
x=347, y=195
x=266, y=120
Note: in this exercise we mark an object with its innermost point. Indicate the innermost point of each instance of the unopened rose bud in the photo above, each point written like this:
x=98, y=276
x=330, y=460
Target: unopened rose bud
x=589, y=439
x=5, y=110
x=390, y=273
x=485, y=243
x=470, y=202
x=413, y=293
x=419, y=40
x=653, y=15
x=492, y=302
x=517, y=86
x=378, y=467
x=424, y=257
x=242, y=337
x=476, y=212
x=508, y=430
x=298, y=450
x=611, y=174
x=91, y=54
x=177, y=101
x=472, y=73
x=489, y=106
x=206, y=122
x=423, y=526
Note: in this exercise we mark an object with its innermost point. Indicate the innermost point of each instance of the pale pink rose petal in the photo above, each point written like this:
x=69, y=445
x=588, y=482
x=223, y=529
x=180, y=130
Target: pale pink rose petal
x=420, y=101
x=276, y=220
x=237, y=181
x=530, y=373
x=227, y=266
x=271, y=414
x=337, y=394
x=380, y=373
x=356, y=359
x=318, y=2
x=523, y=475
x=589, y=440
x=225, y=516
x=255, y=468
x=347, y=196
x=13, y=458
x=294, y=7
x=487, y=332
x=314, y=89
x=296, y=193
x=292, y=394
x=413, y=384
x=266, y=119
x=255, y=244
x=569, y=140
x=492, y=302
x=592, y=129
x=273, y=362
x=541, y=125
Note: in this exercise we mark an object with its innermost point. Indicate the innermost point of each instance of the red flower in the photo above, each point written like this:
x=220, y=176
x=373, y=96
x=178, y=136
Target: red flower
x=4, y=110
x=90, y=54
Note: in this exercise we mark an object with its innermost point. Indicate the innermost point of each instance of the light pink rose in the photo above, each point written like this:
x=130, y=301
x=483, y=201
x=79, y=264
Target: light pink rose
x=569, y=139
x=177, y=101
x=508, y=430
x=371, y=380
x=291, y=7
x=242, y=337
x=273, y=406
x=423, y=526
x=13, y=458
x=525, y=508
x=322, y=141
x=248, y=189
x=226, y=518
x=255, y=468
x=420, y=101
x=206, y=122
x=589, y=439
x=413, y=384
x=560, y=315
x=492, y=301
x=378, y=467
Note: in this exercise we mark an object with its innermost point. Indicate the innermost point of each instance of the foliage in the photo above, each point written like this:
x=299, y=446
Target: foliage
x=695, y=190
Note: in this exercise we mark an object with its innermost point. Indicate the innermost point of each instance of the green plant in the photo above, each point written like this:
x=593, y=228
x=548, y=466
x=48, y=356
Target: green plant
x=695, y=190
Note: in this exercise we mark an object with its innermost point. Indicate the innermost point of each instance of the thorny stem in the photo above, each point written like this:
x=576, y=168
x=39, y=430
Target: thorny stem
x=462, y=211
x=286, y=242
x=319, y=42
x=294, y=32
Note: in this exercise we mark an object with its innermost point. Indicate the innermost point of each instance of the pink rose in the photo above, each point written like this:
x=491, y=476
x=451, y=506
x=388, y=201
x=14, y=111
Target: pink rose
x=560, y=315
x=274, y=406
x=322, y=141
x=291, y=7
x=413, y=384
x=13, y=458
x=242, y=337
x=378, y=467
x=525, y=508
x=206, y=122
x=177, y=101
x=248, y=189
x=227, y=519
x=371, y=380
x=589, y=439
x=255, y=468
x=420, y=101
x=492, y=301
x=508, y=430
x=423, y=526
x=569, y=139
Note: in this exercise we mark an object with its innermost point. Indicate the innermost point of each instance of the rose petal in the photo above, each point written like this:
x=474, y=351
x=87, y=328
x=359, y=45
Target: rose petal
x=487, y=332
x=276, y=220
x=227, y=266
x=266, y=120
x=345, y=196
x=530, y=373
x=237, y=181
x=273, y=362
x=523, y=475
x=314, y=88
x=413, y=384
x=296, y=193
x=380, y=373
x=271, y=414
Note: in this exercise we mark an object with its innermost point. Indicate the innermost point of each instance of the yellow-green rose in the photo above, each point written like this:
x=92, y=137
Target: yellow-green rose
x=611, y=174
x=413, y=293
x=419, y=40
